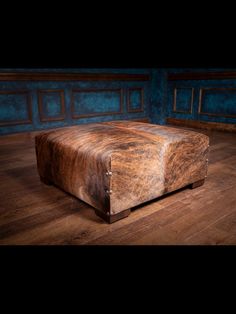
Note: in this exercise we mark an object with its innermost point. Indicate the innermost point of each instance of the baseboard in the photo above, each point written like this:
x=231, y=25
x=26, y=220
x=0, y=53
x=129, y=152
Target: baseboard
x=227, y=127
x=31, y=134
x=144, y=120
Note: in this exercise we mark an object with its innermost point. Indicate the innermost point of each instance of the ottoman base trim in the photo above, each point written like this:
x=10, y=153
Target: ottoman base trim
x=113, y=218
x=197, y=184
x=45, y=181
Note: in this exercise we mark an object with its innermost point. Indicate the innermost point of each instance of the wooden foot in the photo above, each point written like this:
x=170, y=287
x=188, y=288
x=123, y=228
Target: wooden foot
x=197, y=184
x=45, y=181
x=113, y=218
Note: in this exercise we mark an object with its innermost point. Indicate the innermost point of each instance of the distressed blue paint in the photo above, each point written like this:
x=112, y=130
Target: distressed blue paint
x=158, y=96
x=97, y=104
x=51, y=103
x=13, y=107
x=219, y=102
x=158, y=99
x=90, y=102
x=183, y=99
x=135, y=99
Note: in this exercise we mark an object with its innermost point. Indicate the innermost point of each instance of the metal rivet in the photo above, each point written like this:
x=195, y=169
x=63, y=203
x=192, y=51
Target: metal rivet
x=109, y=173
x=109, y=191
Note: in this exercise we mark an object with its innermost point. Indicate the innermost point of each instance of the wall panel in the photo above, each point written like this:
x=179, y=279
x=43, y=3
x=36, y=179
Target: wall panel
x=96, y=102
x=40, y=99
x=15, y=107
x=135, y=99
x=51, y=105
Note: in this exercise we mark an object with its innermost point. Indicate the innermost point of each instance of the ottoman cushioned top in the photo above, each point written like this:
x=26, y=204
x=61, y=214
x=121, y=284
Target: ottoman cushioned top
x=117, y=165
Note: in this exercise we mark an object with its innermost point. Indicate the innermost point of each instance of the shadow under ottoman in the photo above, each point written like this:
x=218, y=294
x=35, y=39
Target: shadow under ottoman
x=114, y=166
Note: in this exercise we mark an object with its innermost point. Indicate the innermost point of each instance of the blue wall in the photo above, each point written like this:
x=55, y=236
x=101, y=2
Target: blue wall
x=27, y=105
x=158, y=96
x=35, y=104
x=212, y=99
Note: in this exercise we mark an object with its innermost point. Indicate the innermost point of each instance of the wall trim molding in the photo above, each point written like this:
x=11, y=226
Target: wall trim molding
x=97, y=90
x=226, y=75
x=143, y=120
x=175, y=100
x=129, y=90
x=201, y=96
x=29, y=135
x=47, y=76
x=28, y=105
x=217, y=126
x=40, y=94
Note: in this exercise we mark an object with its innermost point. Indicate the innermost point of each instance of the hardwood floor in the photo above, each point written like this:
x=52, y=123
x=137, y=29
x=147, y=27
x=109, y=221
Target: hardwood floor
x=34, y=213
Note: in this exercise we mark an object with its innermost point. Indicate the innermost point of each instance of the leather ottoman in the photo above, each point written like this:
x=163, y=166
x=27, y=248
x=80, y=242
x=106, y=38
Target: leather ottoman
x=114, y=166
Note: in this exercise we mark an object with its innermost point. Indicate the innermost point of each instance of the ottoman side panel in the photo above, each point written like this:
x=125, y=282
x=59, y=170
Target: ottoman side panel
x=75, y=166
x=185, y=152
x=44, y=151
x=186, y=161
x=88, y=181
x=137, y=175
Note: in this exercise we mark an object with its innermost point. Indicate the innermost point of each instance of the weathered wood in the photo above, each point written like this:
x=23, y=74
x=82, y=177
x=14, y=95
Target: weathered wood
x=50, y=76
x=114, y=166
